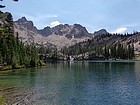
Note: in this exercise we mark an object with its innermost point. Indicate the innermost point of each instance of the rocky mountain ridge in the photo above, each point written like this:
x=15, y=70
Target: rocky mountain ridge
x=69, y=31
x=61, y=35
x=100, y=32
x=68, y=35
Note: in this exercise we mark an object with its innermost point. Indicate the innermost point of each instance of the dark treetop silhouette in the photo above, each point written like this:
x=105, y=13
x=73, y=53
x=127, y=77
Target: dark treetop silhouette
x=2, y=6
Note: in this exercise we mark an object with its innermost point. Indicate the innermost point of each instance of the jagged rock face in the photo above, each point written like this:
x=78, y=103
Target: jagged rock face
x=26, y=24
x=100, y=32
x=60, y=36
x=67, y=35
x=45, y=32
x=78, y=31
x=69, y=31
x=61, y=30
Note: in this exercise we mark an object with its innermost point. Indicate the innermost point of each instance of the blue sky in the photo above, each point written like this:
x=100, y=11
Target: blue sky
x=114, y=15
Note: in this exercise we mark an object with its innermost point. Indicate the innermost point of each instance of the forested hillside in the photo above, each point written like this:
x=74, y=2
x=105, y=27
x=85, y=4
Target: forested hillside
x=14, y=53
x=105, y=46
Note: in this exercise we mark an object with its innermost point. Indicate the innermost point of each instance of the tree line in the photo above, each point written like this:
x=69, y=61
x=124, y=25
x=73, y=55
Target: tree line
x=12, y=51
x=15, y=53
x=94, y=49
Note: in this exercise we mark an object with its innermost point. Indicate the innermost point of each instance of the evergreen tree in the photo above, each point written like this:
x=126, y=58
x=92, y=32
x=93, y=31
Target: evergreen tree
x=34, y=56
x=12, y=51
x=106, y=52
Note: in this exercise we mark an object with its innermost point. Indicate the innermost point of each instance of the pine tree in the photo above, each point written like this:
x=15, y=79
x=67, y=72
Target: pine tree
x=34, y=56
x=106, y=52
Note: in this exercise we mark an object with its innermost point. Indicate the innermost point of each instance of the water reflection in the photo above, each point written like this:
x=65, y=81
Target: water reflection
x=82, y=83
x=137, y=71
x=99, y=82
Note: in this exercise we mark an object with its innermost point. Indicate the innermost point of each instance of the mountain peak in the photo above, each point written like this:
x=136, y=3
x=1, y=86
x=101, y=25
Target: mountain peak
x=77, y=25
x=46, y=31
x=69, y=31
x=23, y=19
x=29, y=25
x=100, y=32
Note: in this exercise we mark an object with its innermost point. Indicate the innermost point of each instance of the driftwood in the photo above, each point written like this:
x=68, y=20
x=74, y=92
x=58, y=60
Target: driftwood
x=8, y=88
x=16, y=99
x=25, y=99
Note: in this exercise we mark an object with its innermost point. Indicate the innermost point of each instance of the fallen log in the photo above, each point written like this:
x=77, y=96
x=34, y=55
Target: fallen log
x=25, y=99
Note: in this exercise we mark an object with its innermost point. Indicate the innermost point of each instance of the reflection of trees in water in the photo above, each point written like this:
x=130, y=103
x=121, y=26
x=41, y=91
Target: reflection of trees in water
x=32, y=77
x=77, y=81
x=137, y=71
x=105, y=72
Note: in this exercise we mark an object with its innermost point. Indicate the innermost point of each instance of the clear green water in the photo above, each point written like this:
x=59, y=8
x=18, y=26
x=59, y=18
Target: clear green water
x=78, y=83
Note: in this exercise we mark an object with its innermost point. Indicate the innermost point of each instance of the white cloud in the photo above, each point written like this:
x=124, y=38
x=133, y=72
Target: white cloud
x=35, y=17
x=46, y=16
x=131, y=25
x=120, y=30
x=55, y=23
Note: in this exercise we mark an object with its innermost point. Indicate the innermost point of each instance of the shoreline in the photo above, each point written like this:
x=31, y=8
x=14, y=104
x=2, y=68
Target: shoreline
x=10, y=69
x=18, y=68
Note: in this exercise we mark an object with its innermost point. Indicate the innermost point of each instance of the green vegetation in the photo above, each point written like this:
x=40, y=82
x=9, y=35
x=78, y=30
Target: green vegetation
x=94, y=49
x=2, y=102
x=13, y=53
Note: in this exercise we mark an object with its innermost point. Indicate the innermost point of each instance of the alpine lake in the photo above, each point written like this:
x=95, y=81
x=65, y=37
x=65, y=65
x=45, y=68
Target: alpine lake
x=73, y=83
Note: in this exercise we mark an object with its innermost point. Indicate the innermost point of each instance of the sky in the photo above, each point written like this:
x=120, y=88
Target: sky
x=116, y=16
